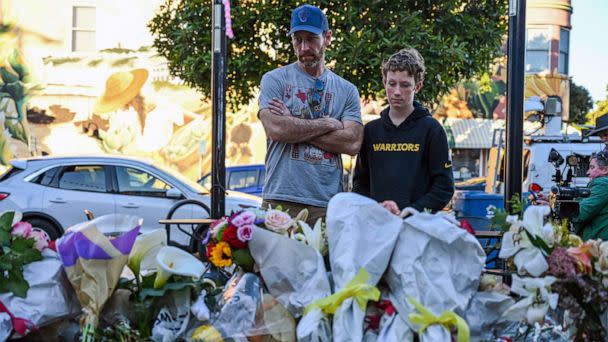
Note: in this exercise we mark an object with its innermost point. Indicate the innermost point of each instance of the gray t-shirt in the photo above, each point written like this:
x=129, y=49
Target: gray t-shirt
x=303, y=173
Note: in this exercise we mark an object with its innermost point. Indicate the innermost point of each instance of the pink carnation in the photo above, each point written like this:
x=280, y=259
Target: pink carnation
x=244, y=218
x=244, y=233
x=23, y=229
x=41, y=238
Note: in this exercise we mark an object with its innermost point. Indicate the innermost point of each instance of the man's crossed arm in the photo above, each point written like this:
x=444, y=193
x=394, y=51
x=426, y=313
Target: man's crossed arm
x=327, y=134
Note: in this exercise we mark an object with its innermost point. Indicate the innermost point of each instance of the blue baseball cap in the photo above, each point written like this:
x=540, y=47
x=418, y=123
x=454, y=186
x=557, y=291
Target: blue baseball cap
x=308, y=18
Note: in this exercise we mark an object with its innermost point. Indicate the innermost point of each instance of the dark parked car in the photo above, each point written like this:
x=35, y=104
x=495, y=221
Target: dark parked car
x=243, y=178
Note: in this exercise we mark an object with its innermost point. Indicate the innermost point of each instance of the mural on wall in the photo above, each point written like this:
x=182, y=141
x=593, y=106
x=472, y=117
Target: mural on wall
x=13, y=96
x=134, y=111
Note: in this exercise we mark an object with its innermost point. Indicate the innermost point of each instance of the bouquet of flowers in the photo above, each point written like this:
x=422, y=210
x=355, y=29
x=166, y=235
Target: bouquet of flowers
x=21, y=245
x=556, y=270
x=229, y=237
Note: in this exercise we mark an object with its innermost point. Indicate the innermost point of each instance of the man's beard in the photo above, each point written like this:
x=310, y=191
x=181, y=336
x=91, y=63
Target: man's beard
x=314, y=62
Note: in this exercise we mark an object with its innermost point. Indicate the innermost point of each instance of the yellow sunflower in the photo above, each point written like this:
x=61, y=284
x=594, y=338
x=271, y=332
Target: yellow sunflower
x=221, y=255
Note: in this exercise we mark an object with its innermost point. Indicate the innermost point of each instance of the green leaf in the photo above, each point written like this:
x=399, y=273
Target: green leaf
x=6, y=221
x=17, y=285
x=174, y=286
x=21, y=244
x=5, y=238
x=539, y=243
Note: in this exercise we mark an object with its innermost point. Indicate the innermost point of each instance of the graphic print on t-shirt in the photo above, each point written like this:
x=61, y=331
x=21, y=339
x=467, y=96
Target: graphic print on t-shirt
x=297, y=100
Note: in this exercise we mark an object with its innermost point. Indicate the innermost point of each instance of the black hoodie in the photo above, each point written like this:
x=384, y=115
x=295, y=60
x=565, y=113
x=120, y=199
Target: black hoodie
x=409, y=163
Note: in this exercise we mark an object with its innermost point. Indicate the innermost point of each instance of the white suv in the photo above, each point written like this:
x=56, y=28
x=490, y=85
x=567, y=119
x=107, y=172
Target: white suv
x=53, y=192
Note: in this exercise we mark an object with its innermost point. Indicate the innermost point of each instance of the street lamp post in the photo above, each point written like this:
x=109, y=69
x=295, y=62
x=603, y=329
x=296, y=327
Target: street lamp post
x=218, y=94
x=515, y=100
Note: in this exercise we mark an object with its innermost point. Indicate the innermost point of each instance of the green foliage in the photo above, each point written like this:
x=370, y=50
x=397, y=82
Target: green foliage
x=580, y=103
x=457, y=38
x=498, y=217
x=484, y=94
x=15, y=253
x=601, y=109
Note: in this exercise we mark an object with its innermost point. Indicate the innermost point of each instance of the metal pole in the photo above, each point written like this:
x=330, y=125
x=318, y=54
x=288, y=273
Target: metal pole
x=515, y=100
x=218, y=94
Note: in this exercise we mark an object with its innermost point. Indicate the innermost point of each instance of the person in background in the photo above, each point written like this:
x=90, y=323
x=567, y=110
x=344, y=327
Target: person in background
x=593, y=217
x=601, y=129
x=404, y=160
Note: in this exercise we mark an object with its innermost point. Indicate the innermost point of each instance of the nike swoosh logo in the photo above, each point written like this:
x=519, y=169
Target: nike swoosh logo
x=447, y=165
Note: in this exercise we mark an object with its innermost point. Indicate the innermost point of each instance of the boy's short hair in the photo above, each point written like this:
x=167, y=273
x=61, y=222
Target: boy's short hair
x=408, y=59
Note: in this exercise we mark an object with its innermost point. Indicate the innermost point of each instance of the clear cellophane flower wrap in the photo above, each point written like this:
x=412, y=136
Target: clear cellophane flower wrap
x=93, y=261
x=433, y=274
x=361, y=237
x=247, y=313
x=295, y=276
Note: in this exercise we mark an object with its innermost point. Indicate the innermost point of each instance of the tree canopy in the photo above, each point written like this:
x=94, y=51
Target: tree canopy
x=600, y=109
x=580, y=103
x=457, y=38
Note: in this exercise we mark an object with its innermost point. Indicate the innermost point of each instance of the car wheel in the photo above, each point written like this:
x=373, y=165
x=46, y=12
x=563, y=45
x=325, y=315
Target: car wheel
x=45, y=225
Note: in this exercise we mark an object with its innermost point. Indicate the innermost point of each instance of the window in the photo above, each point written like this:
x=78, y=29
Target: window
x=537, y=50
x=46, y=177
x=564, y=48
x=242, y=179
x=83, y=29
x=132, y=181
x=465, y=163
x=84, y=178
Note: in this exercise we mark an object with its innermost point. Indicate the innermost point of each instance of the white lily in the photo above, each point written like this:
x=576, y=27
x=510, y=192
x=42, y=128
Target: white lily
x=536, y=299
x=313, y=237
x=143, y=255
x=516, y=242
x=172, y=260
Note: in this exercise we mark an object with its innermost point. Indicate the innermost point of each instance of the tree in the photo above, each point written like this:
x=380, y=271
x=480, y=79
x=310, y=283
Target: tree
x=458, y=39
x=600, y=109
x=580, y=103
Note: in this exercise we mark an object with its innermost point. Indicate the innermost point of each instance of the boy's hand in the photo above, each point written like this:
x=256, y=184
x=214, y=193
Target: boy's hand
x=391, y=206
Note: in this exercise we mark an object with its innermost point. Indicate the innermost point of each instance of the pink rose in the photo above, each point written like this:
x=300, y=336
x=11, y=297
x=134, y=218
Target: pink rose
x=244, y=233
x=244, y=218
x=41, y=238
x=277, y=221
x=22, y=229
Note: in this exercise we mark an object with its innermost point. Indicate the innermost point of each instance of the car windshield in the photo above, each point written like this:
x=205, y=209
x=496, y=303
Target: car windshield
x=187, y=181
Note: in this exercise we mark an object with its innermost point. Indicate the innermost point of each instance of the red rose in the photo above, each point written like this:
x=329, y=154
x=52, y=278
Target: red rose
x=231, y=237
x=210, y=247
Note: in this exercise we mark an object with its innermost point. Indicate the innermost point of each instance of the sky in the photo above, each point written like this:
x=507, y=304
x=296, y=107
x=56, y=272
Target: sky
x=589, y=46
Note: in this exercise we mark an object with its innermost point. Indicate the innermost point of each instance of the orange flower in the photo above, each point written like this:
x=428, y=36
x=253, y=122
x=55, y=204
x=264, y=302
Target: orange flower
x=582, y=254
x=221, y=255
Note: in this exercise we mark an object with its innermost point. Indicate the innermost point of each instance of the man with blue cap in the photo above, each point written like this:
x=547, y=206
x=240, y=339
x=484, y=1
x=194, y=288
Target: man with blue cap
x=311, y=116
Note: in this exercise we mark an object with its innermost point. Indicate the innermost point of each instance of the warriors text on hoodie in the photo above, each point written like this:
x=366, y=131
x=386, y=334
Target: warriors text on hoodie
x=409, y=163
